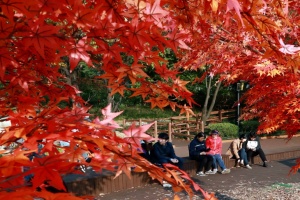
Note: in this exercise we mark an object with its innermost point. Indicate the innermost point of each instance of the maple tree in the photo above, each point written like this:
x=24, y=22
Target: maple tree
x=250, y=47
x=253, y=40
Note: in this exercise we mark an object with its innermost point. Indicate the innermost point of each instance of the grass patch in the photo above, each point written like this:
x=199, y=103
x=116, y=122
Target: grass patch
x=139, y=112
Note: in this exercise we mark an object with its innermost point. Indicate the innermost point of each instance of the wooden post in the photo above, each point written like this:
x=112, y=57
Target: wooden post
x=220, y=115
x=155, y=131
x=170, y=131
x=202, y=126
x=124, y=123
x=140, y=122
x=188, y=116
x=188, y=130
x=197, y=122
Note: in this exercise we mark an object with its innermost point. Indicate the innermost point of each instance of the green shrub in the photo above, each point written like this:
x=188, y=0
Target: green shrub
x=248, y=126
x=276, y=133
x=252, y=126
x=144, y=112
x=227, y=130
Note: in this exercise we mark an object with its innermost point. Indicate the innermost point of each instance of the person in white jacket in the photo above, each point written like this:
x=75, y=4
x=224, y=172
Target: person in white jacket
x=253, y=148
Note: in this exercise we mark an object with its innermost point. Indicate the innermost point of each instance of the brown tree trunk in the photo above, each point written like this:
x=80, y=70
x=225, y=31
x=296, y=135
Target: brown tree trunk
x=207, y=108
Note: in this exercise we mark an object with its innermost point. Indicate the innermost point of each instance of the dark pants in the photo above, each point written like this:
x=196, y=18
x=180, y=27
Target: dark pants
x=260, y=152
x=204, y=161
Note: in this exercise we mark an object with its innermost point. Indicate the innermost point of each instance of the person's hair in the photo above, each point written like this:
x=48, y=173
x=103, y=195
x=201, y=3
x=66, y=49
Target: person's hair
x=163, y=136
x=252, y=135
x=214, y=132
x=200, y=134
x=242, y=136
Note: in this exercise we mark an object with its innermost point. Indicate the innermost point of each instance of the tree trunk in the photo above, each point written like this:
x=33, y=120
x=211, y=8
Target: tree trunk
x=111, y=100
x=205, y=110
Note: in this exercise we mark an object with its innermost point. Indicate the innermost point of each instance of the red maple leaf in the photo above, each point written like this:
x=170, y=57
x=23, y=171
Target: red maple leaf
x=108, y=117
x=6, y=59
x=80, y=14
x=77, y=52
x=18, y=159
x=105, y=29
x=47, y=173
x=166, y=73
x=118, y=88
x=111, y=76
x=10, y=8
x=177, y=38
x=110, y=53
x=138, y=32
x=40, y=36
x=155, y=12
x=133, y=72
x=135, y=134
x=144, y=90
x=160, y=102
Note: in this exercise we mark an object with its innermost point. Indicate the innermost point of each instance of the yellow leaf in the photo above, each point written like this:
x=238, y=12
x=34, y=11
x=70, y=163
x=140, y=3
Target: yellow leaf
x=274, y=72
x=214, y=5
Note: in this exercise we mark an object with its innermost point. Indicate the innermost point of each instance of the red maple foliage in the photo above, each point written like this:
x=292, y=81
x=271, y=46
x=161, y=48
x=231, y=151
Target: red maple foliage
x=253, y=40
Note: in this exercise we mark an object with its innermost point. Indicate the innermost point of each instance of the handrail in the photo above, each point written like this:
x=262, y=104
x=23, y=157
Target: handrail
x=176, y=125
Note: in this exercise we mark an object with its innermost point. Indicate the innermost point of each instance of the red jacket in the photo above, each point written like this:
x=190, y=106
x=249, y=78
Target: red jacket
x=215, y=145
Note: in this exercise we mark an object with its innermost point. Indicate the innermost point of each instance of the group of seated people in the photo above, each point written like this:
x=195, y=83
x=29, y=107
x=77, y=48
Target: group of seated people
x=207, y=152
x=245, y=148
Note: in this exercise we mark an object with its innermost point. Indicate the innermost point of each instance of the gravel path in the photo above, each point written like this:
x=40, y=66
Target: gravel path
x=278, y=191
x=272, y=183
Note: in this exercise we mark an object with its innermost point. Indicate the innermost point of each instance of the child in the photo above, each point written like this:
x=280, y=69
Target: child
x=214, y=143
x=197, y=151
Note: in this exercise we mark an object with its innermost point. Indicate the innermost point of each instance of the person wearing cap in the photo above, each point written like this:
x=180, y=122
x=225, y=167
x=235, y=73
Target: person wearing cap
x=214, y=143
x=198, y=152
x=237, y=151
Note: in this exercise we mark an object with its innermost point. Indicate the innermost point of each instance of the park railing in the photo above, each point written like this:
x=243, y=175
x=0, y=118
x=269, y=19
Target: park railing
x=181, y=126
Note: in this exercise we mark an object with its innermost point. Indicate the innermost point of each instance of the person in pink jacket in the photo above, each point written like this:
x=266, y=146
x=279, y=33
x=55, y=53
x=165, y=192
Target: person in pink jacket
x=214, y=144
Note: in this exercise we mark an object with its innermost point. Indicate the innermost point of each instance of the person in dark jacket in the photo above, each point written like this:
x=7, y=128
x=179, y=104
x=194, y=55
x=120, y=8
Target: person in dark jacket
x=197, y=151
x=146, y=150
x=253, y=148
x=163, y=151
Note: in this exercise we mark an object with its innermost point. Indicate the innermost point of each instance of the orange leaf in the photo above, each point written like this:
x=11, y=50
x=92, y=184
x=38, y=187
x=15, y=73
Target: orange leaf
x=176, y=197
x=44, y=173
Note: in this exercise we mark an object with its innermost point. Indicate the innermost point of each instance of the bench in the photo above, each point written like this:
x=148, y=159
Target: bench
x=96, y=183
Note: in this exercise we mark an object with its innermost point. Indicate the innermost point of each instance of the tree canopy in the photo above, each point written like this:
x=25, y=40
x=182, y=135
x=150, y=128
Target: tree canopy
x=252, y=40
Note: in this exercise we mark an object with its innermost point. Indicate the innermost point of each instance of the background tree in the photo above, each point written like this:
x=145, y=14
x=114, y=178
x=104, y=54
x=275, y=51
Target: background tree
x=208, y=92
x=252, y=44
